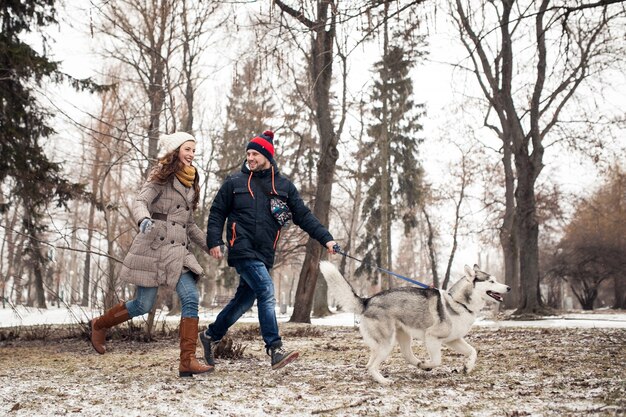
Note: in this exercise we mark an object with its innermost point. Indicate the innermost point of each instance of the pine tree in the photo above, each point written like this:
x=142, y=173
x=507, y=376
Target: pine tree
x=248, y=111
x=399, y=123
x=24, y=167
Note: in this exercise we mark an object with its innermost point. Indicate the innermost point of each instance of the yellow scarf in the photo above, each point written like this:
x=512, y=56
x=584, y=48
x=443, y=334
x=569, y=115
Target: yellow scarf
x=186, y=175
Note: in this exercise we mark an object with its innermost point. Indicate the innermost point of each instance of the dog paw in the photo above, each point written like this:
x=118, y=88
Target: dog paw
x=385, y=381
x=425, y=367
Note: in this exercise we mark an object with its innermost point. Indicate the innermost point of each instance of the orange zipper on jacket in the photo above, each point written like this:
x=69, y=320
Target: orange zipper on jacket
x=234, y=235
x=273, y=184
x=249, y=187
x=276, y=240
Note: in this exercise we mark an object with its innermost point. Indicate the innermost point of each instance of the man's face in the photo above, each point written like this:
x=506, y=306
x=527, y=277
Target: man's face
x=256, y=161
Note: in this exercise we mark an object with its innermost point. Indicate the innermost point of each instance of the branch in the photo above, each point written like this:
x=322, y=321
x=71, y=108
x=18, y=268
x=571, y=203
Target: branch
x=61, y=247
x=296, y=14
x=570, y=9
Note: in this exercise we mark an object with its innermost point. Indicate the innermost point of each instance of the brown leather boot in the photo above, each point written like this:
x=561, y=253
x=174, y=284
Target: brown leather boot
x=189, y=365
x=116, y=315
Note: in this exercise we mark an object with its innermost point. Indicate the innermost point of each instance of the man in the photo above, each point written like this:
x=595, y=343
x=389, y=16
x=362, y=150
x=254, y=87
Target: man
x=253, y=225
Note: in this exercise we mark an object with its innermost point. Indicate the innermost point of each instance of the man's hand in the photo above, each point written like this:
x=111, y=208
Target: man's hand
x=216, y=252
x=330, y=246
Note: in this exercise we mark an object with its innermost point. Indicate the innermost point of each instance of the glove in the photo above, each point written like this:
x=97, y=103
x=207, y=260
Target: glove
x=145, y=225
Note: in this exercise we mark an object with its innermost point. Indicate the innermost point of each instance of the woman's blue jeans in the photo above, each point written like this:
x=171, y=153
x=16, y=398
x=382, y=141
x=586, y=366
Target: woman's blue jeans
x=187, y=292
x=255, y=283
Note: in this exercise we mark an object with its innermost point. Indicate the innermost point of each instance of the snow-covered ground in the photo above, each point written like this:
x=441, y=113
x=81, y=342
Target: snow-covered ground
x=28, y=316
x=568, y=365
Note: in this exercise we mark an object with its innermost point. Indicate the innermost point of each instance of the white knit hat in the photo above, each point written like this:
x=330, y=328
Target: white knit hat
x=167, y=143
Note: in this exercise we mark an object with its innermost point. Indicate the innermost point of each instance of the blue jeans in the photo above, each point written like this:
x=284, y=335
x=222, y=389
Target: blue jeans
x=255, y=283
x=187, y=292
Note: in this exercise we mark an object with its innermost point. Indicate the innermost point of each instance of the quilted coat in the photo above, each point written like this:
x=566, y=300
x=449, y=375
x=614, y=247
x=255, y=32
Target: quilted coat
x=159, y=256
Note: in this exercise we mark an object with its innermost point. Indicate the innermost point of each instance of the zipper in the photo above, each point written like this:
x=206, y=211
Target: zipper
x=233, y=235
x=276, y=239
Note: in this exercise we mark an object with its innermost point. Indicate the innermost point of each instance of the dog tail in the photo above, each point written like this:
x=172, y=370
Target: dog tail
x=341, y=289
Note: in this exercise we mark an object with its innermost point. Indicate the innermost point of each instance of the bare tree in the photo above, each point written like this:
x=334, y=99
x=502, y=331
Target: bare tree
x=143, y=37
x=591, y=252
x=465, y=177
x=321, y=21
x=321, y=65
x=526, y=110
x=158, y=45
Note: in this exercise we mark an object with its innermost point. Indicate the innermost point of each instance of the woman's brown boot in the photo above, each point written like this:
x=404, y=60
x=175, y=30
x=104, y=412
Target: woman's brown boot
x=189, y=365
x=116, y=315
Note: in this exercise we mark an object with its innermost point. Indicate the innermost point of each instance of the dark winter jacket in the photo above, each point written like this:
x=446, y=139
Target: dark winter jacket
x=251, y=230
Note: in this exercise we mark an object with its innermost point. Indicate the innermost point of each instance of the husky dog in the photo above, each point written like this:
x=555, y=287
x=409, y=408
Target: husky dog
x=437, y=317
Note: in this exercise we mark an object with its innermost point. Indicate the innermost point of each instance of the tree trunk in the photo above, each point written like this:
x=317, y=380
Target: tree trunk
x=530, y=302
x=383, y=143
x=320, y=300
x=188, y=63
x=36, y=256
x=73, y=262
x=619, y=286
x=310, y=268
x=14, y=254
x=15, y=269
x=321, y=67
x=156, y=96
x=430, y=243
x=87, y=266
x=508, y=231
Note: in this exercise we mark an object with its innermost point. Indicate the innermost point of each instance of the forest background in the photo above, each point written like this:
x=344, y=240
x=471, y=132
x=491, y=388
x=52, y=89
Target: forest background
x=426, y=135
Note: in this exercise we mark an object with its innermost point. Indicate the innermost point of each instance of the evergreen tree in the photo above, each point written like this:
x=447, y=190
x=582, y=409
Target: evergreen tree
x=399, y=123
x=248, y=112
x=24, y=167
x=299, y=142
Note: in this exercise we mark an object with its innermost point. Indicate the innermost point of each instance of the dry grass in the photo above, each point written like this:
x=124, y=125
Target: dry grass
x=519, y=372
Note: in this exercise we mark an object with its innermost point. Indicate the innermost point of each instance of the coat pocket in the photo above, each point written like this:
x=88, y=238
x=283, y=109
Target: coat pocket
x=242, y=199
x=157, y=234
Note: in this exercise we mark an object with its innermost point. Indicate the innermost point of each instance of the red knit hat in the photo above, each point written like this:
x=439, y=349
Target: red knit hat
x=264, y=144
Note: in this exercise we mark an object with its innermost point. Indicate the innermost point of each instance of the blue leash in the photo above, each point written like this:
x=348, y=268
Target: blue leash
x=337, y=249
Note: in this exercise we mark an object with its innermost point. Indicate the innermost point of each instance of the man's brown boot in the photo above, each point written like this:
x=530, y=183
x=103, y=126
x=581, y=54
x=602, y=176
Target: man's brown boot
x=189, y=365
x=116, y=315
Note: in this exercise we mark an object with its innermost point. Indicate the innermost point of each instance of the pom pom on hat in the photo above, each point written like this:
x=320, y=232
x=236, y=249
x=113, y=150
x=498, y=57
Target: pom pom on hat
x=167, y=143
x=264, y=144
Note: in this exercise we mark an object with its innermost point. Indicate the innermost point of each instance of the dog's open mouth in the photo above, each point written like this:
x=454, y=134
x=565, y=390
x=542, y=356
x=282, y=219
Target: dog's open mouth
x=495, y=295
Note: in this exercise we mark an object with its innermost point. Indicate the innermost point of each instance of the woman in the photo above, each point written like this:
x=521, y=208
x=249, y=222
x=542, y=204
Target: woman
x=159, y=254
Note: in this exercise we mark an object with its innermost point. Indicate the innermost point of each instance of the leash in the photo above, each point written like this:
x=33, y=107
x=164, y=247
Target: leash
x=337, y=249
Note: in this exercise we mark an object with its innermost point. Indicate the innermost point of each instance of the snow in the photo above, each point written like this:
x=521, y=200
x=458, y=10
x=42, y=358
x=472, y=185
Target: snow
x=574, y=367
x=29, y=316
x=569, y=320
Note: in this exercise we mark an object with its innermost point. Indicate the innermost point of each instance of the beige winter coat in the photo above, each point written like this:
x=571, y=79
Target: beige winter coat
x=161, y=255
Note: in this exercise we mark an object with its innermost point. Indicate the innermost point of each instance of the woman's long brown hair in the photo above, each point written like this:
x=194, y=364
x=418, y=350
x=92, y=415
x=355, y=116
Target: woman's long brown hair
x=167, y=167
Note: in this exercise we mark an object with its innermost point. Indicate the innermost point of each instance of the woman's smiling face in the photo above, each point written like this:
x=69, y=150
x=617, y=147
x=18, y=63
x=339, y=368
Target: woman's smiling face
x=186, y=152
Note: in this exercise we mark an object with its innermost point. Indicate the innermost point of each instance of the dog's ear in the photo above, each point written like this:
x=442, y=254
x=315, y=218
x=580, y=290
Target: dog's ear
x=469, y=272
x=480, y=275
